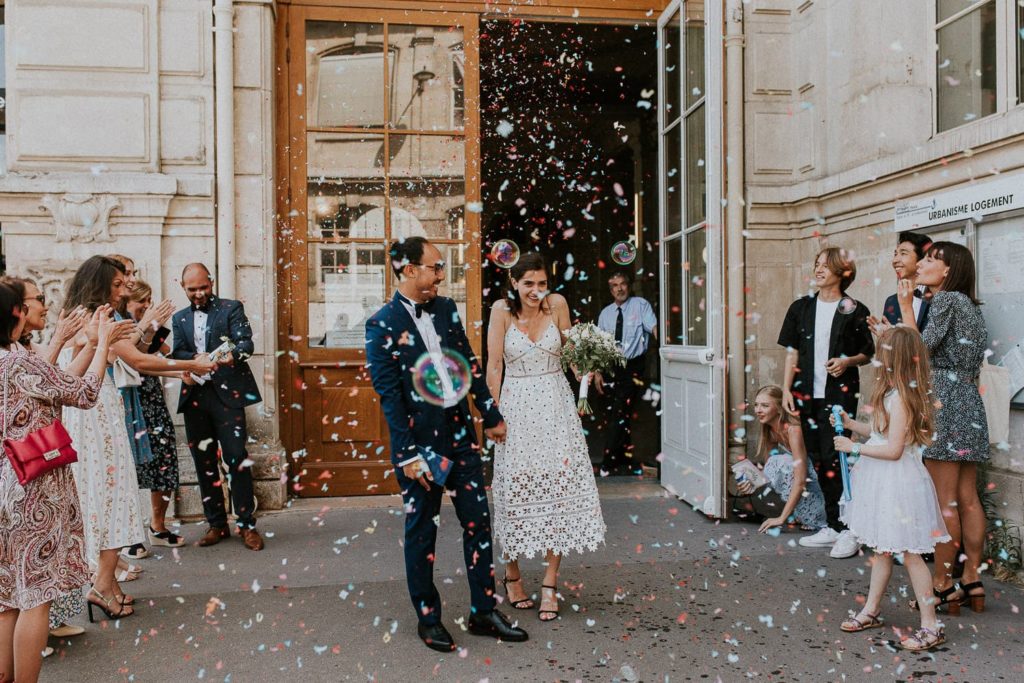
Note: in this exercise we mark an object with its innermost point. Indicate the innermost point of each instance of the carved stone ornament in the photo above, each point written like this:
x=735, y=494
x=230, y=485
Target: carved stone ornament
x=81, y=217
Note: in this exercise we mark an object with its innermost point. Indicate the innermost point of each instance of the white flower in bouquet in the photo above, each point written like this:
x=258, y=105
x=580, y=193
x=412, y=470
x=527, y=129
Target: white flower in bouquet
x=589, y=349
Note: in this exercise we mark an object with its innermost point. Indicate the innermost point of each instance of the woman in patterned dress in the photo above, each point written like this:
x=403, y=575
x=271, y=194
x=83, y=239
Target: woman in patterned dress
x=957, y=339
x=41, y=541
x=545, y=496
x=65, y=606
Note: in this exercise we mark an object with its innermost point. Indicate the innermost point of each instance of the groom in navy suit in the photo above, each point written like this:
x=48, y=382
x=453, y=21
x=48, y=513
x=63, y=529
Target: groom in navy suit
x=417, y=323
x=214, y=405
x=910, y=248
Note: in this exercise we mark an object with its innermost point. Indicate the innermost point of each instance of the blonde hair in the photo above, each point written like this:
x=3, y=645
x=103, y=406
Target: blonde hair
x=764, y=449
x=841, y=264
x=902, y=359
x=141, y=292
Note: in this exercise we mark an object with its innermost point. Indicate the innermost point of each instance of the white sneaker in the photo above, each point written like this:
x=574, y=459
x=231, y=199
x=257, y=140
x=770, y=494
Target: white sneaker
x=823, y=539
x=845, y=546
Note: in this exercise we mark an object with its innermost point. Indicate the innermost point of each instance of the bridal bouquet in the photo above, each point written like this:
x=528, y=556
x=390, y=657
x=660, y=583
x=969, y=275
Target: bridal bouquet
x=587, y=350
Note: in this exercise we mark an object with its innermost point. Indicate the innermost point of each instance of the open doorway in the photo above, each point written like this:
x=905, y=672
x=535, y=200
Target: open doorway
x=569, y=149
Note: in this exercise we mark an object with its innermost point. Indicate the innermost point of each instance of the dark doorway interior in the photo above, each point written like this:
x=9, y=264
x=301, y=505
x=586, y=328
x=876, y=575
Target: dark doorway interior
x=569, y=160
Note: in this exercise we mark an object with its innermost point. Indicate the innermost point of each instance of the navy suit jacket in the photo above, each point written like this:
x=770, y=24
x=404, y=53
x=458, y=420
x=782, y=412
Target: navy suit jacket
x=894, y=315
x=393, y=346
x=235, y=384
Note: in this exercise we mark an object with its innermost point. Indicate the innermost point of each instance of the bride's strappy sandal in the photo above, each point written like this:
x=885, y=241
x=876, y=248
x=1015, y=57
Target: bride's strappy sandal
x=548, y=614
x=525, y=603
x=861, y=622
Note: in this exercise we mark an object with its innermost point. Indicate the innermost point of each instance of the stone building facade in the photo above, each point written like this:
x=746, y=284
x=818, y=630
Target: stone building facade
x=129, y=130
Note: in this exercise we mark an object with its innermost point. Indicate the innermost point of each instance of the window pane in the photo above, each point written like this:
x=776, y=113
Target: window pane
x=696, y=267
x=345, y=74
x=346, y=185
x=696, y=168
x=1020, y=54
x=346, y=287
x=427, y=81
x=966, y=86
x=670, y=37
x=944, y=9
x=694, y=51
x=671, y=182
x=674, y=291
x=428, y=186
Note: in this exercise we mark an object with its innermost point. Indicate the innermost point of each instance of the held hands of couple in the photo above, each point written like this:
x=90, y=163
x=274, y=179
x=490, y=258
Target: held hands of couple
x=496, y=433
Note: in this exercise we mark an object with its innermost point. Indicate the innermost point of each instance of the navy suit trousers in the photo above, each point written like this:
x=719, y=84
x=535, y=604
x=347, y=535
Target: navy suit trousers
x=466, y=485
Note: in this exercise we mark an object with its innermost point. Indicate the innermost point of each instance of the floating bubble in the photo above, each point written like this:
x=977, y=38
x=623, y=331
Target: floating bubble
x=623, y=253
x=847, y=305
x=505, y=253
x=437, y=386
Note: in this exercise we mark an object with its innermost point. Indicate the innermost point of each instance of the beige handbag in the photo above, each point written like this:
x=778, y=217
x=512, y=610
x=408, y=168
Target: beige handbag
x=994, y=386
x=125, y=376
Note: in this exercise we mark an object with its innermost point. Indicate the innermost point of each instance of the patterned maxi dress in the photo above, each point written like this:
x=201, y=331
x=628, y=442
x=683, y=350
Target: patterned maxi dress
x=105, y=471
x=161, y=473
x=42, y=549
x=545, y=497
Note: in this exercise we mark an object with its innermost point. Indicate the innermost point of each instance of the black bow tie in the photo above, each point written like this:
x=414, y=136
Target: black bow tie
x=427, y=306
x=918, y=294
x=205, y=308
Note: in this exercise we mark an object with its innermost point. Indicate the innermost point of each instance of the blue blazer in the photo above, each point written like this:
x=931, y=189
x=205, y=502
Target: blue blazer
x=393, y=346
x=893, y=314
x=235, y=384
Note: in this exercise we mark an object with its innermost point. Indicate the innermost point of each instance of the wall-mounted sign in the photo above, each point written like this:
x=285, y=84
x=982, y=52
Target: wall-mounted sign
x=1002, y=193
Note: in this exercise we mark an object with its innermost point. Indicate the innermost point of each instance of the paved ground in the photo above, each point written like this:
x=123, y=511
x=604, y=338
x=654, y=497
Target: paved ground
x=673, y=597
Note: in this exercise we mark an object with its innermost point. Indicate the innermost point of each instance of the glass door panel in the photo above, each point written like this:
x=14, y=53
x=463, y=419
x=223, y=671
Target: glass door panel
x=430, y=77
x=382, y=111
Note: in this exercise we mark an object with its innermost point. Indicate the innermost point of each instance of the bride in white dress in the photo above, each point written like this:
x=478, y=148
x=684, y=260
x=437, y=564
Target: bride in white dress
x=545, y=497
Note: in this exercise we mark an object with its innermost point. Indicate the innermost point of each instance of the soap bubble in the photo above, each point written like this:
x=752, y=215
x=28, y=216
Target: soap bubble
x=427, y=378
x=847, y=305
x=505, y=253
x=623, y=253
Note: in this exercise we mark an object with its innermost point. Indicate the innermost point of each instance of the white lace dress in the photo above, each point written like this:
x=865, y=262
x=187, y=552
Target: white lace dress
x=108, y=488
x=545, y=496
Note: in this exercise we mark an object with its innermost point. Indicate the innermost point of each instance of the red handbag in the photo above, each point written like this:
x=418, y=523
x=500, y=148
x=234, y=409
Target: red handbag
x=40, y=451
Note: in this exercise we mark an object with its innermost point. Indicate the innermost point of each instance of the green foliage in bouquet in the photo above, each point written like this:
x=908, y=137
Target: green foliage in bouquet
x=589, y=349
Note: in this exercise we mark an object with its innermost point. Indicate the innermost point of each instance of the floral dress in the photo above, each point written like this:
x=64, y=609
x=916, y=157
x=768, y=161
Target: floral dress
x=160, y=473
x=956, y=336
x=545, y=496
x=105, y=471
x=42, y=549
x=810, y=511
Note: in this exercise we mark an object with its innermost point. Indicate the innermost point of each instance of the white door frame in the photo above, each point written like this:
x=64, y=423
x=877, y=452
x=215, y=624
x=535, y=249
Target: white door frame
x=693, y=376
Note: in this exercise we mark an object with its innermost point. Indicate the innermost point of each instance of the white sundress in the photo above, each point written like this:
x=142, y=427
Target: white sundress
x=893, y=507
x=108, y=487
x=545, y=496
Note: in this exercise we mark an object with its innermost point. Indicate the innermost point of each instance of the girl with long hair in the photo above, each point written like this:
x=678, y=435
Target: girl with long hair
x=893, y=507
x=783, y=455
x=545, y=496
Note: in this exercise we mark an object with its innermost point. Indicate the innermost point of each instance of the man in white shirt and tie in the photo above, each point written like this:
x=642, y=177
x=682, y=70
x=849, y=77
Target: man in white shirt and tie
x=631, y=320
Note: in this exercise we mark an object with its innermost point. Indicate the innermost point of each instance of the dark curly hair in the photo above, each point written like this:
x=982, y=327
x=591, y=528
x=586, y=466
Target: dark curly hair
x=90, y=286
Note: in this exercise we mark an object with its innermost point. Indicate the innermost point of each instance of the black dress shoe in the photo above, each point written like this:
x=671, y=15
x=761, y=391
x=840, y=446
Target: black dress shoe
x=496, y=625
x=436, y=637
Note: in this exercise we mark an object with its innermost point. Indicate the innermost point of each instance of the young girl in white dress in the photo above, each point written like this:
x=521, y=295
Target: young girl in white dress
x=545, y=496
x=893, y=506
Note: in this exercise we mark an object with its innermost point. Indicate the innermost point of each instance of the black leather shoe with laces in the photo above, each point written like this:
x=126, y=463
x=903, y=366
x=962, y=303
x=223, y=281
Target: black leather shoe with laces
x=436, y=637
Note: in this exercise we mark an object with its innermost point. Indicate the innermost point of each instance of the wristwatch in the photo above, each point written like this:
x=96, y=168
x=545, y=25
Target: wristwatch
x=855, y=451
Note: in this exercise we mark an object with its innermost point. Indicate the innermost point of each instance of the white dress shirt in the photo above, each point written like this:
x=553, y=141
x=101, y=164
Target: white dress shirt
x=201, y=318
x=425, y=327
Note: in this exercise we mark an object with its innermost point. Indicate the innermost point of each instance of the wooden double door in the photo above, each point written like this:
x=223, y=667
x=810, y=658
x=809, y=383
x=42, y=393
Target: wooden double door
x=378, y=139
